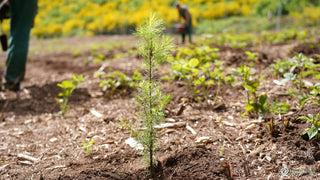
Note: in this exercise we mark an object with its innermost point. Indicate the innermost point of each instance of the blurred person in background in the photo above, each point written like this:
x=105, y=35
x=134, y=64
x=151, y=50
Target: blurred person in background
x=22, y=14
x=185, y=14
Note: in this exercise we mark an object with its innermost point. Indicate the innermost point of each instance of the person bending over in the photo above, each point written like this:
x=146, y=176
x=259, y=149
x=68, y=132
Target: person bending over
x=185, y=14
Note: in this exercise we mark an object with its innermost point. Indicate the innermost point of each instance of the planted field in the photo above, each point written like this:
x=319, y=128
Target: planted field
x=238, y=108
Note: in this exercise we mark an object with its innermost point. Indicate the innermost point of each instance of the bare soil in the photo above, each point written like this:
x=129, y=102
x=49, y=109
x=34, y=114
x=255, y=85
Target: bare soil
x=31, y=123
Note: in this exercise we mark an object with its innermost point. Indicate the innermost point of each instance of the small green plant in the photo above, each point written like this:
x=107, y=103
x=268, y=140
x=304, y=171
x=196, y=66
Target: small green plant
x=305, y=66
x=277, y=108
x=280, y=67
x=204, y=54
x=291, y=92
x=199, y=75
x=289, y=76
x=116, y=80
x=245, y=74
x=218, y=76
x=67, y=88
x=258, y=106
x=312, y=132
x=188, y=71
x=252, y=56
x=87, y=146
x=150, y=101
x=255, y=102
x=303, y=98
x=96, y=56
x=200, y=68
x=285, y=36
x=314, y=93
x=190, y=64
x=295, y=69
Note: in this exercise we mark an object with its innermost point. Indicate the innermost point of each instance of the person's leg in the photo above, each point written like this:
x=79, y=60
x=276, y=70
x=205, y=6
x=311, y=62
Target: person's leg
x=190, y=33
x=183, y=34
x=22, y=14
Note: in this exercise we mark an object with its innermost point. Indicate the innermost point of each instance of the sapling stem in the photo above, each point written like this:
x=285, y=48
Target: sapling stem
x=150, y=105
x=300, y=79
x=191, y=88
x=205, y=92
x=218, y=90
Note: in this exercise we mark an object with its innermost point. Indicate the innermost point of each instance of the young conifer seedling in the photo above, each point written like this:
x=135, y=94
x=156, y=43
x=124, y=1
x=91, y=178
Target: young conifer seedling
x=154, y=49
x=87, y=146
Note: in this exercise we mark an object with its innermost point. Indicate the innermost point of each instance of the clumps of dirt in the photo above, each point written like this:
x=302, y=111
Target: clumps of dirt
x=267, y=57
x=231, y=56
x=191, y=163
x=177, y=91
x=234, y=57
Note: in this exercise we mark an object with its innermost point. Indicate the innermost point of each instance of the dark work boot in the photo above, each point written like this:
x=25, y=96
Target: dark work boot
x=11, y=87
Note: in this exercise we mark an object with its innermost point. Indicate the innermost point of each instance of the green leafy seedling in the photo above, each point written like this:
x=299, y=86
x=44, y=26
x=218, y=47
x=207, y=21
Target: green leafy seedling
x=280, y=67
x=245, y=73
x=289, y=76
x=217, y=75
x=67, y=88
x=305, y=66
x=295, y=69
x=312, y=132
x=258, y=106
x=258, y=103
x=277, y=108
x=87, y=146
x=116, y=80
x=314, y=90
x=252, y=56
x=303, y=98
x=188, y=70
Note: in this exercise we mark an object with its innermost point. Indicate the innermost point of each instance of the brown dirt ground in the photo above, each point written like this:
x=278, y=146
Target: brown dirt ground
x=32, y=125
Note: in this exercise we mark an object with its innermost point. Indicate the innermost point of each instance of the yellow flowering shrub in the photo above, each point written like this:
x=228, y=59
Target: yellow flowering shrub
x=72, y=24
x=310, y=16
x=61, y=17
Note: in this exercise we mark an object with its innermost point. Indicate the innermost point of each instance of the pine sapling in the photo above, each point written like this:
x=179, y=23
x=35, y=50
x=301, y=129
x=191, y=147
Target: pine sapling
x=154, y=48
x=87, y=146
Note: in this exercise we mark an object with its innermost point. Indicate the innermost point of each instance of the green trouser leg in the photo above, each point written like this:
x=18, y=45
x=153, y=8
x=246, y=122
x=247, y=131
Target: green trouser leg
x=22, y=13
x=183, y=36
x=190, y=33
